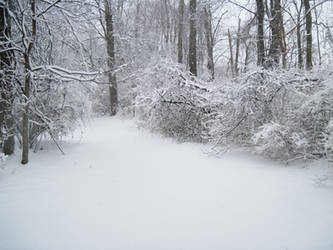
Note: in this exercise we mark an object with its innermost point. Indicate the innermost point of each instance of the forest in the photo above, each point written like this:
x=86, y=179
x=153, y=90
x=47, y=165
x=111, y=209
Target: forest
x=244, y=73
x=147, y=86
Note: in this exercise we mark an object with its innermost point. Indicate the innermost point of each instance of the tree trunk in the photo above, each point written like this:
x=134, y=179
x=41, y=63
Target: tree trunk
x=237, y=47
x=231, y=54
x=25, y=121
x=275, y=50
x=260, y=32
x=180, y=31
x=27, y=67
x=299, y=45
x=209, y=41
x=193, y=38
x=308, y=28
x=283, y=43
x=7, y=66
x=109, y=37
x=317, y=35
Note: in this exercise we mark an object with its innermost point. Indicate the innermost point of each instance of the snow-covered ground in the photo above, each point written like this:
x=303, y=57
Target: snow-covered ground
x=121, y=188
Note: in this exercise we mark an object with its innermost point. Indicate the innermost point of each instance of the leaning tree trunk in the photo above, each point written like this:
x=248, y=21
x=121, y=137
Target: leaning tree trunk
x=308, y=28
x=109, y=37
x=27, y=84
x=260, y=32
x=180, y=31
x=193, y=38
x=7, y=67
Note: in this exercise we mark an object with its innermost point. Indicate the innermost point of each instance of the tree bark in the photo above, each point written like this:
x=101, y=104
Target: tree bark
x=109, y=37
x=193, y=38
x=275, y=49
x=209, y=41
x=7, y=66
x=231, y=54
x=260, y=33
x=308, y=28
x=27, y=84
x=237, y=47
x=318, y=34
x=283, y=43
x=180, y=30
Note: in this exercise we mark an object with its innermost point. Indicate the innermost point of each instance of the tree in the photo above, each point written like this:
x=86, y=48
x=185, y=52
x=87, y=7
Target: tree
x=308, y=28
x=193, y=38
x=275, y=22
x=7, y=67
x=109, y=38
x=232, y=66
x=27, y=82
x=299, y=35
x=209, y=40
x=180, y=30
x=260, y=32
x=237, y=47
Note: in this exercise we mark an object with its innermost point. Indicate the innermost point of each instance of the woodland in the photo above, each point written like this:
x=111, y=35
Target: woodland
x=231, y=73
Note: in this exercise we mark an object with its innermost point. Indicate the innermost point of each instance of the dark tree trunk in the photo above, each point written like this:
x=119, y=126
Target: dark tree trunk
x=25, y=120
x=237, y=47
x=193, y=38
x=27, y=84
x=260, y=32
x=275, y=49
x=209, y=41
x=299, y=44
x=283, y=43
x=109, y=37
x=231, y=54
x=308, y=28
x=180, y=31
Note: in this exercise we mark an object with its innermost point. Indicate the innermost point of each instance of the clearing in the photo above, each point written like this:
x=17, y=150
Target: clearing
x=121, y=188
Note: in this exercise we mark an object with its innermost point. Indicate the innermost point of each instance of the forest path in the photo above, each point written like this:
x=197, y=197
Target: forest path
x=121, y=188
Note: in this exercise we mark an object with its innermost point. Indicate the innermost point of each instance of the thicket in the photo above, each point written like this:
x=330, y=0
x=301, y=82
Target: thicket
x=284, y=115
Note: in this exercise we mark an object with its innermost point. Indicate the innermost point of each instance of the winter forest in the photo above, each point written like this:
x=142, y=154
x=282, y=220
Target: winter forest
x=166, y=124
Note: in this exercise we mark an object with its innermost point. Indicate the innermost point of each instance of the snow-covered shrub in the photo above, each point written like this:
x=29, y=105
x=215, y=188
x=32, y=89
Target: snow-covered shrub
x=177, y=113
x=282, y=114
x=275, y=140
x=3, y=159
x=329, y=140
x=244, y=106
x=171, y=102
x=314, y=116
x=56, y=109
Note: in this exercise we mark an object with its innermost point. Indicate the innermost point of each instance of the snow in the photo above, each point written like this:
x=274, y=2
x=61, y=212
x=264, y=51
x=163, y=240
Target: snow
x=121, y=188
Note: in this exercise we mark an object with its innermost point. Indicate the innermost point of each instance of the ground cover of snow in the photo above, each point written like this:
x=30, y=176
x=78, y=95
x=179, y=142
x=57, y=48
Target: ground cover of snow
x=121, y=188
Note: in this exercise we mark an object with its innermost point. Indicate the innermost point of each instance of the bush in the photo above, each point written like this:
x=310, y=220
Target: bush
x=171, y=103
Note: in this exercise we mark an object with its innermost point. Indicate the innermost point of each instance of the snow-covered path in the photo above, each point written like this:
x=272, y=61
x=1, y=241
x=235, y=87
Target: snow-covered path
x=120, y=188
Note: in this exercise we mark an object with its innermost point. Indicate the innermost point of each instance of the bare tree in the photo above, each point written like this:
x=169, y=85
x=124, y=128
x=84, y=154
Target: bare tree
x=260, y=32
x=209, y=40
x=180, y=30
x=308, y=28
x=27, y=82
x=275, y=21
x=193, y=38
x=231, y=54
x=7, y=67
x=109, y=37
x=237, y=47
